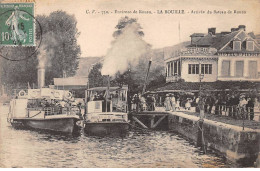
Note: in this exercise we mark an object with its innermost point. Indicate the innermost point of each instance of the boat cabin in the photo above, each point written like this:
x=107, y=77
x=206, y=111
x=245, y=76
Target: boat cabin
x=41, y=103
x=105, y=106
x=101, y=100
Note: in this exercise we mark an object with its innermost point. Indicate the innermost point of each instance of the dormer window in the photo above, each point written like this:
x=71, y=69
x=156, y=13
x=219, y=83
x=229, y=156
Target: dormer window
x=236, y=45
x=250, y=45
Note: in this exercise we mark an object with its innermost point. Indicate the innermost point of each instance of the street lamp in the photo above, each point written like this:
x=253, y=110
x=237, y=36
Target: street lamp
x=201, y=76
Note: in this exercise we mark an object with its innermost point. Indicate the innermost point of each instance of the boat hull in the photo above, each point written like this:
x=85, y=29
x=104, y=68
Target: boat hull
x=106, y=128
x=64, y=125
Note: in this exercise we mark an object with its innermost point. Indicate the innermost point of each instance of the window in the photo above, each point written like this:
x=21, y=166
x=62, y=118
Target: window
x=206, y=68
x=236, y=45
x=249, y=45
x=168, y=69
x=171, y=68
x=253, y=69
x=239, y=68
x=225, y=69
x=193, y=69
x=175, y=67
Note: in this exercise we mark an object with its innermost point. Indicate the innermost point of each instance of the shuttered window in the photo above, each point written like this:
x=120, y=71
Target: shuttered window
x=253, y=69
x=250, y=45
x=225, y=69
x=236, y=45
x=239, y=68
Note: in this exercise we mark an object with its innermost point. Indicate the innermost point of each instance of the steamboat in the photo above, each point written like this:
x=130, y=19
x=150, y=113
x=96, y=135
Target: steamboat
x=106, y=110
x=44, y=108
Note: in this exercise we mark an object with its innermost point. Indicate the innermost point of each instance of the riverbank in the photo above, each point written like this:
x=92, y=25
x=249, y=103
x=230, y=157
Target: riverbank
x=219, y=133
x=228, y=120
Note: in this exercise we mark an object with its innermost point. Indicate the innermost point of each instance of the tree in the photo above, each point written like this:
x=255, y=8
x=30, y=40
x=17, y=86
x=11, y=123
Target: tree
x=123, y=22
x=96, y=79
x=59, y=47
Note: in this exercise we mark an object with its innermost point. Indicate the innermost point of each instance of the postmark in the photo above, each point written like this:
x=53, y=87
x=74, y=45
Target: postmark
x=17, y=25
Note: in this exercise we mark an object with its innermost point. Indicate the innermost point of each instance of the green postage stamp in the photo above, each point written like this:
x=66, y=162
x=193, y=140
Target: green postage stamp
x=17, y=24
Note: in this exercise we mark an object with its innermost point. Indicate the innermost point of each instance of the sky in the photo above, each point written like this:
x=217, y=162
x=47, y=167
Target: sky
x=161, y=30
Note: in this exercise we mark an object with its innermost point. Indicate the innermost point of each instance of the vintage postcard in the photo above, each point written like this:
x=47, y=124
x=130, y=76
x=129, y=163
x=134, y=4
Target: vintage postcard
x=129, y=84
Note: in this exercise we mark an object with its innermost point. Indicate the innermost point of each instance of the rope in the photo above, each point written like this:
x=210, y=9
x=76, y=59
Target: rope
x=35, y=115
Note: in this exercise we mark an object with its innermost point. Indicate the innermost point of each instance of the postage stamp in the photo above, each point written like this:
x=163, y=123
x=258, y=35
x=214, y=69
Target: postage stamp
x=17, y=24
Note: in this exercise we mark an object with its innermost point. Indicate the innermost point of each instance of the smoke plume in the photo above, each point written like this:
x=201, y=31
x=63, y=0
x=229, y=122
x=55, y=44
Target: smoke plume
x=126, y=50
x=46, y=50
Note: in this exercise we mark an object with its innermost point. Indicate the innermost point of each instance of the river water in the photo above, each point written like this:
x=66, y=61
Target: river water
x=30, y=148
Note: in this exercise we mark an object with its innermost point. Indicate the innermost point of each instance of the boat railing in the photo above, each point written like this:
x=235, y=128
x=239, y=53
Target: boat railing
x=55, y=110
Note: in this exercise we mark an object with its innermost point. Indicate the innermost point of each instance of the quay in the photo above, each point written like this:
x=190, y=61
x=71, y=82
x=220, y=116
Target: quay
x=237, y=144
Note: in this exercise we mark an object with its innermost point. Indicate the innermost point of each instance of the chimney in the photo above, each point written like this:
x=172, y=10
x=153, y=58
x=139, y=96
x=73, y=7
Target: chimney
x=242, y=27
x=41, y=77
x=212, y=30
x=234, y=29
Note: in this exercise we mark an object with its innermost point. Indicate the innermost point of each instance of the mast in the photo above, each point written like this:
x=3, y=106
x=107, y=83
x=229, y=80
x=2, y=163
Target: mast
x=147, y=75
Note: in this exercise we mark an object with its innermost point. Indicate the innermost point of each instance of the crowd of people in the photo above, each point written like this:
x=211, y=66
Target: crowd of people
x=238, y=106
x=143, y=103
x=235, y=105
x=57, y=106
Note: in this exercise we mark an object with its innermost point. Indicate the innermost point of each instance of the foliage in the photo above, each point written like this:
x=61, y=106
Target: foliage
x=95, y=77
x=123, y=22
x=59, y=41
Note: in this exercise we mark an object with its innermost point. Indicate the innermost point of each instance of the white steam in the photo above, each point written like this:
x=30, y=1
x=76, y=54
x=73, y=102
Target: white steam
x=46, y=50
x=126, y=50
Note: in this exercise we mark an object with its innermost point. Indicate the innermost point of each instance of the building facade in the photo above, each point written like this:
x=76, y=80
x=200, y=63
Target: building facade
x=225, y=56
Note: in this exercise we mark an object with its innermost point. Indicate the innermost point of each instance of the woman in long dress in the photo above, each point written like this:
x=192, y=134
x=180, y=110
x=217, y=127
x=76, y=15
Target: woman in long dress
x=173, y=103
x=167, y=103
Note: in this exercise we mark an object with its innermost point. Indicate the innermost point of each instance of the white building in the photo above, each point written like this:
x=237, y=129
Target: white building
x=225, y=56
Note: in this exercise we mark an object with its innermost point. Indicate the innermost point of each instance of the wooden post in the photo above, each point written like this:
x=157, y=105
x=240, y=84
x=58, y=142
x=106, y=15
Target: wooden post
x=159, y=121
x=152, y=120
x=138, y=121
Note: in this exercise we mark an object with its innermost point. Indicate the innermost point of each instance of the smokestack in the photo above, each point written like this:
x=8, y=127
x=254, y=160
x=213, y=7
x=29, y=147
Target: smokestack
x=41, y=77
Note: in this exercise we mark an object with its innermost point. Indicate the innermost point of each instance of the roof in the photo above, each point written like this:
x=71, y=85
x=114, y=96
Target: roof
x=221, y=41
x=197, y=35
x=110, y=88
x=218, y=41
x=71, y=81
x=194, y=86
x=205, y=41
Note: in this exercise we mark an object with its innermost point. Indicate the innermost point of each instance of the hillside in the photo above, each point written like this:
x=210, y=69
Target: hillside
x=158, y=57
x=84, y=65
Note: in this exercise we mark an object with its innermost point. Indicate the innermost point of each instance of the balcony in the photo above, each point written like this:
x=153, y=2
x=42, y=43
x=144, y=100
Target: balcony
x=173, y=78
